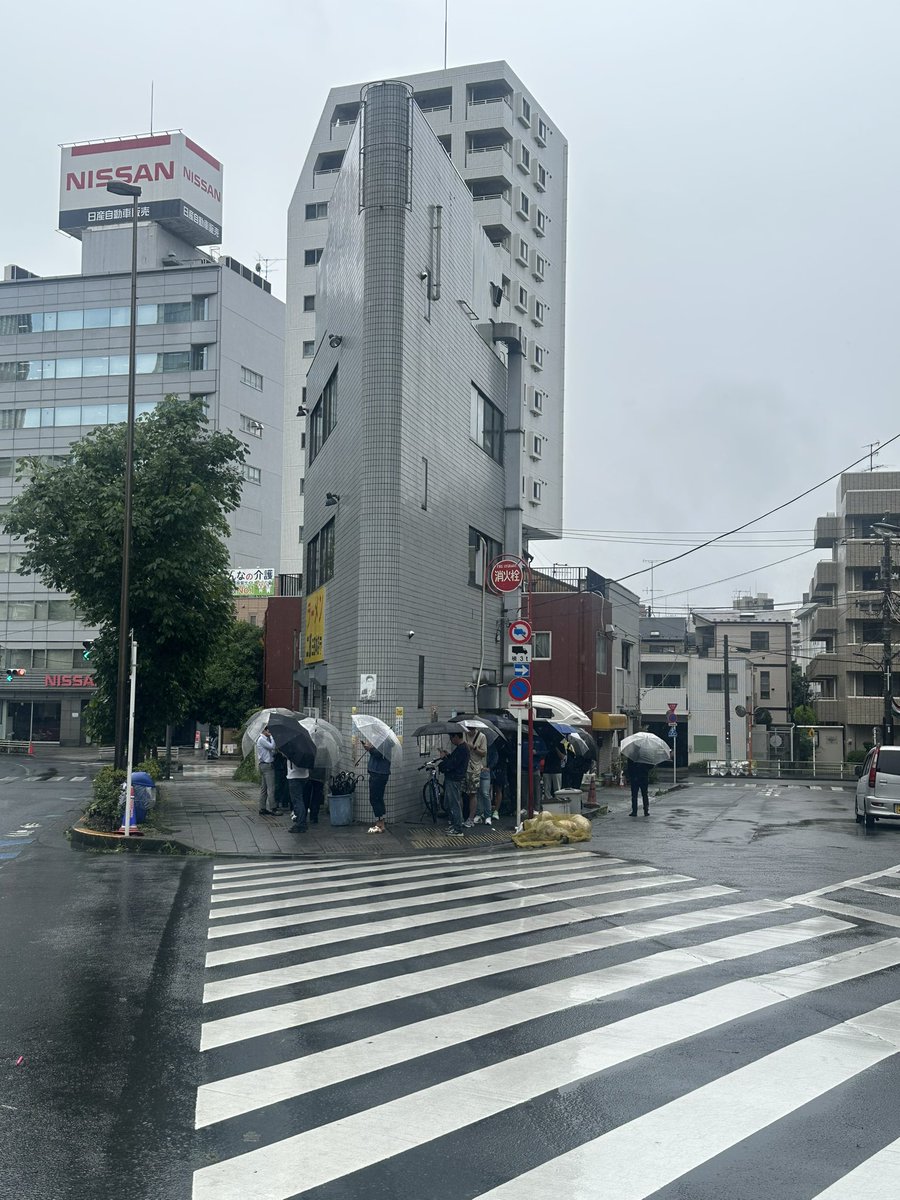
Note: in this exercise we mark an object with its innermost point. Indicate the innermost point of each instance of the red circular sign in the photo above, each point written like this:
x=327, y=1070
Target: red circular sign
x=519, y=689
x=507, y=574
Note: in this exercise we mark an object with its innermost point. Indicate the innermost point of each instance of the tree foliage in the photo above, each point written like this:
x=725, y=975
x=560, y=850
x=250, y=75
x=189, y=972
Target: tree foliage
x=70, y=518
x=232, y=680
x=801, y=691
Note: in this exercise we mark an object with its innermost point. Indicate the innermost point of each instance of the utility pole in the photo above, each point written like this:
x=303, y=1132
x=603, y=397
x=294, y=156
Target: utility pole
x=727, y=684
x=886, y=531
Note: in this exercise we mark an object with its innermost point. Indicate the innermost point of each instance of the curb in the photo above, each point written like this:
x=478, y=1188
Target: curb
x=82, y=838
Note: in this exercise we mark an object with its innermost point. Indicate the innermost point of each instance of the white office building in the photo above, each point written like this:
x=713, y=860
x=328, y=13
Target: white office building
x=205, y=327
x=513, y=159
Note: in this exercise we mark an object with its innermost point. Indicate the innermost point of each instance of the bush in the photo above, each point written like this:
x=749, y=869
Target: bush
x=103, y=811
x=247, y=771
x=152, y=767
x=856, y=755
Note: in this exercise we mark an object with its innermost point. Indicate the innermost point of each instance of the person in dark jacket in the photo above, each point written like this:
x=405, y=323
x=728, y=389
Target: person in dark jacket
x=639, y=778
x=379, y=772
x=453, y=767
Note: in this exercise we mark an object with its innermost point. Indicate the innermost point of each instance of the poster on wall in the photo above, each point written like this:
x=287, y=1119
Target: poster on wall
x=253, y=581
x=314, y=627
x=368, y=687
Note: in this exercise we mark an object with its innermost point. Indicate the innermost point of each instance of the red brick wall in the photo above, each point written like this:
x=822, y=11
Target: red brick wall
x=574, y=619
x=281, y=639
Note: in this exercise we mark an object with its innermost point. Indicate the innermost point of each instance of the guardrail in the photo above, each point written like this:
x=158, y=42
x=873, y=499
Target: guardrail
x=13, y=746
x=780, y=768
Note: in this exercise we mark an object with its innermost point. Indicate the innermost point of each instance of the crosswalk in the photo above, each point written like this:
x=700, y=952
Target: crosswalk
x=513, y=1027
x=41, y=779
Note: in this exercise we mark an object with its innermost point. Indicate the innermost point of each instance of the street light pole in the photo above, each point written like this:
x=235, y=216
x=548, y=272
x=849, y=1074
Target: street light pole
x=727, y=689
x=886, y=531
x=127, y=189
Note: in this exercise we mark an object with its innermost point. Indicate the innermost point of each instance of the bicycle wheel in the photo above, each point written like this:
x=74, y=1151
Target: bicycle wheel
x=430, y=800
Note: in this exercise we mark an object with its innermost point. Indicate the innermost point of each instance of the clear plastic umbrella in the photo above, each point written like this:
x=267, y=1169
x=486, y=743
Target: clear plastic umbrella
x=379, y=734
x=257, y=724
x=491, y=732
x=645, y=747
x=328, y=739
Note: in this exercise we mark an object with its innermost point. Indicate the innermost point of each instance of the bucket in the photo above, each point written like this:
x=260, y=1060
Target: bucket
x=340, y=810
x=566, y=802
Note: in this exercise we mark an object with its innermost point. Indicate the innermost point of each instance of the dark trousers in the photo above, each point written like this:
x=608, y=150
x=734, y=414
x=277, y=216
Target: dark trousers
x=639, y=784
x=452, y=801
x=299, y=790
x=314, y=797
x=377, y=786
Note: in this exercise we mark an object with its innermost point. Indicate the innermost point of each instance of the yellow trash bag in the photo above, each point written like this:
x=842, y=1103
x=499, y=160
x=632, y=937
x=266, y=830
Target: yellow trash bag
x=550, y=829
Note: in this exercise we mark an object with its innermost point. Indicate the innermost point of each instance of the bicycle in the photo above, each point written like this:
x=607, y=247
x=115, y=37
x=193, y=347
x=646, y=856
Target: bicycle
x=432, y=792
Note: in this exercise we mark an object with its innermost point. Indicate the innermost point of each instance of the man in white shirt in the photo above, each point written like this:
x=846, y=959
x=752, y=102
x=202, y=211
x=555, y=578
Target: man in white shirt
x=298, y=787
x=265, y=758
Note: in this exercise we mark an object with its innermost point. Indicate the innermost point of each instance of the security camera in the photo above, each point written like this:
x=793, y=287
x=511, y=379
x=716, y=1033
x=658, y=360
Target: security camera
x=411, y=634
x=423, y=275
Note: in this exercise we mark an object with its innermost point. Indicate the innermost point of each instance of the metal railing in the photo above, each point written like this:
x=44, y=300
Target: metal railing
x=785, y=768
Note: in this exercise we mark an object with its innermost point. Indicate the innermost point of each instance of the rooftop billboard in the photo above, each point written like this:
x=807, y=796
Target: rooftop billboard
x=181, y=186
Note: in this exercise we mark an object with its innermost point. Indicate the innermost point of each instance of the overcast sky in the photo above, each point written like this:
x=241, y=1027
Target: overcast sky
x=734, y=193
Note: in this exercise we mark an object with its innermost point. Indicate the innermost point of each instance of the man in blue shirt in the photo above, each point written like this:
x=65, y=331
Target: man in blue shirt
x=453, y=767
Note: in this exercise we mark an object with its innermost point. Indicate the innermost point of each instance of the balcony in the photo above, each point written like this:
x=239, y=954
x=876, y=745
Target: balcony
x=490, y=101
x=656, y=701
x=863, y=710
x=825, y=621
x=864, y=553
x=828, y=530
x=830, y=712
x=825, y=666
x=487, y=160
x=824, y=581
x=873, y=503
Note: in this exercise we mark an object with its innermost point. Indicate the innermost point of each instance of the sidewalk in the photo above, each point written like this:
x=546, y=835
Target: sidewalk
x=209, y=812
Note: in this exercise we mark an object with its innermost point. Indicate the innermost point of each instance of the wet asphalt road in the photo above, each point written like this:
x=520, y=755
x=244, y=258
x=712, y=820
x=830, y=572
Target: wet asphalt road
x=103, y=970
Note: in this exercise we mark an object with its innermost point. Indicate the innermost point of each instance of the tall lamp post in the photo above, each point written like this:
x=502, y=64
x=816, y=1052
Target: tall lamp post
x=127, y=189
x=886, y=531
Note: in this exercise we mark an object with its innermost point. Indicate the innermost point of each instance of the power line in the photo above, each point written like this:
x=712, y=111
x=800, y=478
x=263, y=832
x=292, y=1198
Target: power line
x=664, y=562
x=727, y=579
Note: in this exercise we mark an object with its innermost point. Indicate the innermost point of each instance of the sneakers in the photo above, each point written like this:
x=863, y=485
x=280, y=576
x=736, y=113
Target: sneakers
x=456, y=833
x=487, y=821
x=479, y=821
x=468, y=824
x=495, y=816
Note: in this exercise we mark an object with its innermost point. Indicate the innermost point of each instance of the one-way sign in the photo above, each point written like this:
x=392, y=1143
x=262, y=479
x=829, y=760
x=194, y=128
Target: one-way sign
x=522, y=670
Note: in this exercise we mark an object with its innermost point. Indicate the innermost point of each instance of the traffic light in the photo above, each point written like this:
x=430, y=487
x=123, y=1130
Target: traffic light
x=14, y=673
x=86, y=652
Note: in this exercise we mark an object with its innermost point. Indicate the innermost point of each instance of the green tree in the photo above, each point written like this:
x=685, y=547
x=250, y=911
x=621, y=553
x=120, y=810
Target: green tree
x=804, y=715
x=232, y=681
x=801, y=692
x=69, y=518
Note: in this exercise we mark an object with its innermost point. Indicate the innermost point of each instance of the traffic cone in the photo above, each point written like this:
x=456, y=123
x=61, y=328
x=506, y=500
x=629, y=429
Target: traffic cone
x=31, y=748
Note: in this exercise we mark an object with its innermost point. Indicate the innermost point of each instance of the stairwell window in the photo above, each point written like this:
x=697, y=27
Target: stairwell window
x=318, y=211
x=252, y=474
x=486, y=426
x=309, y=349
x=309, y=303
x=716, y=683
x=323, y=416
x=252, y=379
x=311, y=257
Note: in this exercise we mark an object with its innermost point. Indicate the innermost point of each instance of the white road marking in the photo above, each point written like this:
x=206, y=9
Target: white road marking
x=845, y=883
x=634, y=1160
x=254, y=1089
x=291, y=1015
x=875, y=1179
x=853, y=910
x=352, y=866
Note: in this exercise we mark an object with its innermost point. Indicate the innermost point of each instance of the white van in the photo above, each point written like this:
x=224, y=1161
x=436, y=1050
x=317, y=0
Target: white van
x=878, y=787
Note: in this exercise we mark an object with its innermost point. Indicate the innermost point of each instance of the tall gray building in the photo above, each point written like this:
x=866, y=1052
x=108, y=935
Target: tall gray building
x=415, y=437
x=206, y=327
x=514, y=161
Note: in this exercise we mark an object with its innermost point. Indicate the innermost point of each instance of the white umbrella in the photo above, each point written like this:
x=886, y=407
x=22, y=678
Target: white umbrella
x=491, y=732
x=562, y=710
x=645, y=748
x=257, y=723
x=328, y=739
x=379, y=734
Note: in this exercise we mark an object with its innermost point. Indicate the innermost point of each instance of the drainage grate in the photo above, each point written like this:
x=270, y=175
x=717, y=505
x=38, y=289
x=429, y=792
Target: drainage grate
x=424, y=841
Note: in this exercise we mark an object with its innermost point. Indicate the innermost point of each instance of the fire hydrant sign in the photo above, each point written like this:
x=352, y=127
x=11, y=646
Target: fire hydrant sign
x=507, y=574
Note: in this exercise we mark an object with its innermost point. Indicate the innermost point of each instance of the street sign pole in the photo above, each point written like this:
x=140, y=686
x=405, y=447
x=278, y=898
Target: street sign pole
x=518, y=768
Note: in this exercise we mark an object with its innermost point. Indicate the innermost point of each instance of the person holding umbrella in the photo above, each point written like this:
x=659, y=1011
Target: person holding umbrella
x=298, y=789
x=265, y=758
x=379, y=770
x=639, y=777
x=642, y=751
x=453, y=767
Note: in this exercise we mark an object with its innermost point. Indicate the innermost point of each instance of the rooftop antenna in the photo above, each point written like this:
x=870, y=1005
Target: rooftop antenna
x=151, y=107
x=446, y=4
x=263, y=266
x=872, y=448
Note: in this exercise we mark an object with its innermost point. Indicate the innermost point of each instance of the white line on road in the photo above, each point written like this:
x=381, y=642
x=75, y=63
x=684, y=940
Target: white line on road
x=853, y=910
x=844, y=883
x=874, y=1179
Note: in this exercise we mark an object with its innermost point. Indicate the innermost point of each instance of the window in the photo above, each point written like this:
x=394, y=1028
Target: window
x=870, y=683
x=537, y=359
x=655, y=679
x=309, y=349
x=311, y=257
x=525, y=159
x=759, y=639
x=765, y=685
x=540, y=177
x=537, y=400
x=542, y=132
x=522, y=298
x=323, y=415
x=524, y=111
x=602, y=654
x=251, y=425
x=524, y=206
x=716, y=683
x=199, y=358
x=540, y=266
x=316, y=212
x=200, y=308
x=536, y=448
x=252, y=379
x=537, y=490
x=420, y=688
x=486, y=426
x=309, y=303
x=320, y=557
x=423, y=489
x=252, y=474
x=541, y=641
x=540, y=222
x=868, y=631
x=522, y=255
x=482, y=552
x=178, y=313
x=626, y=655
x=539, y=310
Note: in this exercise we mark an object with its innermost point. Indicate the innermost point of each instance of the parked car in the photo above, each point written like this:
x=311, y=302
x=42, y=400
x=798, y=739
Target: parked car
x=878, y=787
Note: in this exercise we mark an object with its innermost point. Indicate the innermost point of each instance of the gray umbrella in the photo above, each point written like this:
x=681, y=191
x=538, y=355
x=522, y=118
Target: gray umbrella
x=645, y=748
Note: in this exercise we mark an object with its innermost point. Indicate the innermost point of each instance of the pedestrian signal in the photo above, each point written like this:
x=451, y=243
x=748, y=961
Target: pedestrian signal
x=86, y=652
x=13, y=673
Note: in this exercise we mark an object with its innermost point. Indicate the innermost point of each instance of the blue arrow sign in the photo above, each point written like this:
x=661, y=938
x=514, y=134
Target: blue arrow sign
x=522, y=670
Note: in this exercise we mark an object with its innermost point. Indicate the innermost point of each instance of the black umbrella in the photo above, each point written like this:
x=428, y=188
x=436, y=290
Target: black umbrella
x=292, y=740
x=436, y=728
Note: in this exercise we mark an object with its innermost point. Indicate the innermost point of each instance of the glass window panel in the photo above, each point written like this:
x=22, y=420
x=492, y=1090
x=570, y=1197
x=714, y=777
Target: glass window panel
x=21, y=610
x=40, y=610
x=4, y=561
x=6, y=467
x=117, y=414
x=121, y=315
x=94, y=414
x=8, y=372
x=96, y=318
x=49, y=371
x=141, y=410
x=70, y=415
x=70, y=319
x=39, y=658
x=48, y=415
x=118, y=364
x=146, y=364
x=60, y=660
x=95, y=365
x=200, y=308
x=4, y=610
x=68, y=368
x=177, y=312
x=34, y=369
x=18, y=658
x=29, y=418
x=61, y=610
x=147, y=314
x=9, y=324
x=177, y=360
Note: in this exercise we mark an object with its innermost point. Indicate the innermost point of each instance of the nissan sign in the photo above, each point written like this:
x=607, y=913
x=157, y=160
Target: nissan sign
x=181, y=186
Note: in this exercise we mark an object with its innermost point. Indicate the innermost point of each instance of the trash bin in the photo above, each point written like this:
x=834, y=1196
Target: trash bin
x=566, y=802
x=340, y=810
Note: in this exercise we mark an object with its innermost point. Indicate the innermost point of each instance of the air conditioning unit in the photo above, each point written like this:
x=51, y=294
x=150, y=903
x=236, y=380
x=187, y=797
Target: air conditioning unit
x=610, y=629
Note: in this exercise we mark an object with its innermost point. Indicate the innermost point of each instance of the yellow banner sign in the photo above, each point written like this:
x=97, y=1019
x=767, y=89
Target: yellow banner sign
x=314, y=627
